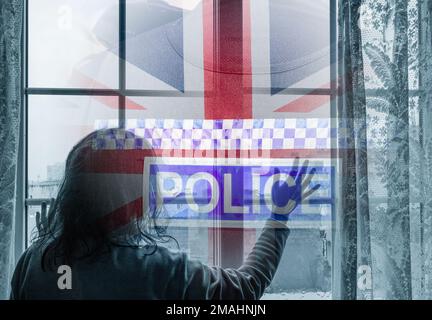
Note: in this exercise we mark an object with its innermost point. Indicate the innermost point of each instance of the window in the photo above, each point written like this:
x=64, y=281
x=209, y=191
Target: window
x=194, y=75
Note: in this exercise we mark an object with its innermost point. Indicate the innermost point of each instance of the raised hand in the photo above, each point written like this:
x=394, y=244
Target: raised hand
x=291, y=189
x=42, y=217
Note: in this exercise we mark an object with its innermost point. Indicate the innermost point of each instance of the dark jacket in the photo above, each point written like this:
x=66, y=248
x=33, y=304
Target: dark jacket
x=130, y=273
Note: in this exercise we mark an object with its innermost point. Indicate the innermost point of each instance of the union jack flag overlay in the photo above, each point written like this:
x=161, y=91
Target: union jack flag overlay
x=228, y=68
x=224, y=59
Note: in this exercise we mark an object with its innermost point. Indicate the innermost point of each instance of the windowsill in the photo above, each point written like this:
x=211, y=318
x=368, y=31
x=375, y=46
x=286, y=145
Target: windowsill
x=299, y=295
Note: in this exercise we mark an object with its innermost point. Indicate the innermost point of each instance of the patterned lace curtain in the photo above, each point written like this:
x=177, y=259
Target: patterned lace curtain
x=385, y=112
x=11, y=19
x=353, y=236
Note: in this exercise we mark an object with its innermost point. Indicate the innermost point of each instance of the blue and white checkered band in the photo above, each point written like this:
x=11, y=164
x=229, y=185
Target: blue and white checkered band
x=228, y=134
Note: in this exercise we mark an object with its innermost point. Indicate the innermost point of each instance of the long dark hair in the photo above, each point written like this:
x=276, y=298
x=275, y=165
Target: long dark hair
x=74, y=229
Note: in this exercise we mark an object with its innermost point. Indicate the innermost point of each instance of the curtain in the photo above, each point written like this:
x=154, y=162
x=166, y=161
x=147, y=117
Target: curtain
x=11, y=19
x=354, y=204
x=423, y=178
x=383, y=233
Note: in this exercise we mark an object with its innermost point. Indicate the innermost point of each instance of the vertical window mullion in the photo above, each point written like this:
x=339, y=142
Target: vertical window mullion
x=24, y=129
x=122, y=63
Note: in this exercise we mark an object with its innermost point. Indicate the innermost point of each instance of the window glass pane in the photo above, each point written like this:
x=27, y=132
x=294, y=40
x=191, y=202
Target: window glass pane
x=239, y=147
x=55, y=125
x=165, y=107
x=284, y=44
x=213, y=125
x=157, y=34
x=290, y=44
x=68, y=43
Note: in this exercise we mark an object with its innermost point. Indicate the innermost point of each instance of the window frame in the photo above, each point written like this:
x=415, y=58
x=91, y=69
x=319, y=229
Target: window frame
x=23, y=202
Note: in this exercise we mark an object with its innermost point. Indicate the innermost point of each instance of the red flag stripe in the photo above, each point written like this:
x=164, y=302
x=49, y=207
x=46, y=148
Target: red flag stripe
x=132, y=161
x=227, y=60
